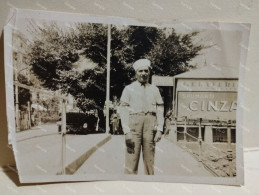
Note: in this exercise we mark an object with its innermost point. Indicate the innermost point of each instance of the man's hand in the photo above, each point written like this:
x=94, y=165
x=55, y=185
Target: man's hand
x=128, y=136
x=129, y=143
x=158, y=136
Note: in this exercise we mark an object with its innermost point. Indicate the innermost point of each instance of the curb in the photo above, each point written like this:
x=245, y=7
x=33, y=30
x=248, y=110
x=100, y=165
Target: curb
x=76, y=164
x=40, y=135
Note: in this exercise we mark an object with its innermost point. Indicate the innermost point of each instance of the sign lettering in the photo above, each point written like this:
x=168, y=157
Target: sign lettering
x=208, y=105
x=206, y=85
x=220, y=106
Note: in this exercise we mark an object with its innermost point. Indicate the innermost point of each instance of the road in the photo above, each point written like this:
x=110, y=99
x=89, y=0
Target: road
x=169, y=160
x=39, y=150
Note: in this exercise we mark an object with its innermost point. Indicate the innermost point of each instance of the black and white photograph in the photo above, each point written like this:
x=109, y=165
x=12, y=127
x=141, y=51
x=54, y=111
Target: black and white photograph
x=109, y=98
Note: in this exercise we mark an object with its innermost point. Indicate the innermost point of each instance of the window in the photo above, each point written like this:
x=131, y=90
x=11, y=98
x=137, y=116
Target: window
x=192, y=133
x=220, y=135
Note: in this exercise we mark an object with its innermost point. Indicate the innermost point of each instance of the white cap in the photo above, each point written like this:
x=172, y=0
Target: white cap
x=142, y=63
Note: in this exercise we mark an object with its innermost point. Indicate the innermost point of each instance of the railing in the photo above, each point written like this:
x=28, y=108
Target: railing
x=63, y=115
x=203, y=146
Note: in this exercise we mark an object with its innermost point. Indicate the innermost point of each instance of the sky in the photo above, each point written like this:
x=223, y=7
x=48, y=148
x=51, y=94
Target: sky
x=224, y=50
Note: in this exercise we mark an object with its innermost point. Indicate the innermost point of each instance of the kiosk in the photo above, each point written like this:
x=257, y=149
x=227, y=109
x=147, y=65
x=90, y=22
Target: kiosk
x=205, y=104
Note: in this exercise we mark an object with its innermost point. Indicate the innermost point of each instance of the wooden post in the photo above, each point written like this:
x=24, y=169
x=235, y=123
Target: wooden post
x=29, y=114
x=108, y=78
x=17, y=121
x=63, y=135
x=39, y=112
x=185, y=130
x=175, y=130
x=229, y=151
x=200, y=141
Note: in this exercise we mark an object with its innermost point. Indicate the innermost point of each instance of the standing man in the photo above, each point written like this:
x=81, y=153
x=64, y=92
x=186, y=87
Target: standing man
x=142, y=119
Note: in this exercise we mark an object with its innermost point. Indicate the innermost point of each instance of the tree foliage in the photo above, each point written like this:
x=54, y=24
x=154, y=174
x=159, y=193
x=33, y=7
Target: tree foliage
x=55, y=52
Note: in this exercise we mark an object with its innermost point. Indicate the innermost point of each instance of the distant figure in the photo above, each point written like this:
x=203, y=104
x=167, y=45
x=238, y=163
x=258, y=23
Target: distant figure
x=33, y=119
x=115, y=121
x=115, y=102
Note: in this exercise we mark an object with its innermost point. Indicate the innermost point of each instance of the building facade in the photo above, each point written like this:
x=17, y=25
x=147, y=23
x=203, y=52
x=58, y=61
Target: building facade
x=204, y=104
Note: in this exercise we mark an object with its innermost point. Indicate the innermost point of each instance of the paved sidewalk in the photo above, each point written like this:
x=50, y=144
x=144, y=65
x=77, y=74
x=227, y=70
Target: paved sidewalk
x=81, y=148
x=173, y=160
x=37, y=131
x=39, y=154
x=170, y=160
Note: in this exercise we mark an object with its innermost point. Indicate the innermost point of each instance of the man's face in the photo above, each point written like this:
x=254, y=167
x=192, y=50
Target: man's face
x=142, y=75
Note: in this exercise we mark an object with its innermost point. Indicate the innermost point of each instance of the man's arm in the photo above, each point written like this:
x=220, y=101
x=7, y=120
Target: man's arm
x=160, y=122
x=160, y=116
x=124, y=115
x=124, y=110
x=159, y=111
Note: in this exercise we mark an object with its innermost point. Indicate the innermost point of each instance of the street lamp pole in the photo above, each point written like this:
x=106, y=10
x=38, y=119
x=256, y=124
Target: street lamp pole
x=108, y=78
x=63, y=135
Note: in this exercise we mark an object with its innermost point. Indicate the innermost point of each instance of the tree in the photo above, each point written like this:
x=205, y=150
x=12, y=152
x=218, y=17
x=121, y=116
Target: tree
x=55, y=52
x=173, y=54
x=128, y=45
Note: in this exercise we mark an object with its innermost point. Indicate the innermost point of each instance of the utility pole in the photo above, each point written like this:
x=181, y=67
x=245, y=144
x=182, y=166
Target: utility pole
x=108, y=78
x=63, y=135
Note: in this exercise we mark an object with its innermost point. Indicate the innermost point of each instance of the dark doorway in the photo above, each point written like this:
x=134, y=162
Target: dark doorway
x=167, y=95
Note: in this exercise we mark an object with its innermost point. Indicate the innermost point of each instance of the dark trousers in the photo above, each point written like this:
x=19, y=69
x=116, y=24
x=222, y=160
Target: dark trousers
x=143, y=133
